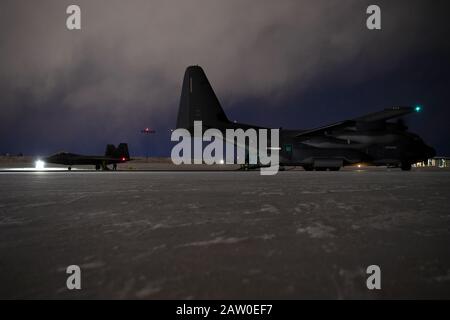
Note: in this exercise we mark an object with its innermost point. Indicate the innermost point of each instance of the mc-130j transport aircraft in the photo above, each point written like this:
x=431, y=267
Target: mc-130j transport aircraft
x=370, y=139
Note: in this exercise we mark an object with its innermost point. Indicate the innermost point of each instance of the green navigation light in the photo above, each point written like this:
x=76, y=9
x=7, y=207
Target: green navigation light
x=418, y=108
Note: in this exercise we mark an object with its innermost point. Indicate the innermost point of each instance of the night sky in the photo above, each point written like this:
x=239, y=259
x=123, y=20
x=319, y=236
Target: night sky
x=291, y=64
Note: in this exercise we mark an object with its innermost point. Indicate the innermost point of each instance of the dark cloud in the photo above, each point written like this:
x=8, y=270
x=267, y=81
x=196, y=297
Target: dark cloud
x=123, y=70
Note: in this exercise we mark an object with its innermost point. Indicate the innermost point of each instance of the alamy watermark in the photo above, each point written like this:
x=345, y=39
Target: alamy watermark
x=251, y=145
x=374, y=279
x=74, y=280
x=73, y=21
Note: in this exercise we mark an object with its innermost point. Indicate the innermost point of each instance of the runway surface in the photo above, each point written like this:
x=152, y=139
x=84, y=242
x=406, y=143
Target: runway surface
x=225, y=235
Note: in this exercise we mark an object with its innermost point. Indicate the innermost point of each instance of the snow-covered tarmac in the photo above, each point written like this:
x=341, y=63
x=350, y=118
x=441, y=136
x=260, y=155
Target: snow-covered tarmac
x=225, y=235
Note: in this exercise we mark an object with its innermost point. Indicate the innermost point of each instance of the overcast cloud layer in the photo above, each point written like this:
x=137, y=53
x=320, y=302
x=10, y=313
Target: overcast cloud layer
x=123, y=70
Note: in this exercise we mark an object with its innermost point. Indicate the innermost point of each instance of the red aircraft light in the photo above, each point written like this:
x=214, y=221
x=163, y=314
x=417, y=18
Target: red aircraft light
x=148, y=130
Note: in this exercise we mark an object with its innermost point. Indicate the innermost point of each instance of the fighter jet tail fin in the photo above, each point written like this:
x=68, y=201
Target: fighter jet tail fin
x=110, y=149
x=120, y=152
x=198, y=102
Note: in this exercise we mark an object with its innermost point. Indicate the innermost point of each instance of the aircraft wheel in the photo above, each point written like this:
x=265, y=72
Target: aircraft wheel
x=406, y=166
x=69, y=168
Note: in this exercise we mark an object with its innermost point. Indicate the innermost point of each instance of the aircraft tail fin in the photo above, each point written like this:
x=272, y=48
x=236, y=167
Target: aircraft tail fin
x=198, y=102
x=120, y=152
x=110, y=149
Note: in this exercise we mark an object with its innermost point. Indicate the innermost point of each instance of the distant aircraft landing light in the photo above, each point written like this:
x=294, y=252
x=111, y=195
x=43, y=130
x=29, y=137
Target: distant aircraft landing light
x=39, y=165
x=418, y=108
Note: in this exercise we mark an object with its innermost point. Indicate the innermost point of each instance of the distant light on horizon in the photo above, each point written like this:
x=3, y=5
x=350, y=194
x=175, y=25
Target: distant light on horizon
x=39, y=165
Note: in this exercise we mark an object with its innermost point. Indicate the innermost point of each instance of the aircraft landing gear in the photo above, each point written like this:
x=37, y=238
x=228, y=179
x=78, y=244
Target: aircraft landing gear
x=69, y=168
x=114, y=166
x=104, y=166
x=97, y=167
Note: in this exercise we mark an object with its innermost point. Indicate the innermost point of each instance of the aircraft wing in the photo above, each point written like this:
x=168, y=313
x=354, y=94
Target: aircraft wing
x=330, y=127
x=386, y=114
x=98, y=159
x=112, y=159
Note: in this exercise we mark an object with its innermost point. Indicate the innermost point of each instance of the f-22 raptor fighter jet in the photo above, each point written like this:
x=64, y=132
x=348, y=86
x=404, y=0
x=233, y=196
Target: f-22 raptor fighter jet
x=369, y=139
x=112, y=156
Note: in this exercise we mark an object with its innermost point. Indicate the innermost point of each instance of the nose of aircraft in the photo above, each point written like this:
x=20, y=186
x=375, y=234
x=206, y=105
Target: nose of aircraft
x=48, y=159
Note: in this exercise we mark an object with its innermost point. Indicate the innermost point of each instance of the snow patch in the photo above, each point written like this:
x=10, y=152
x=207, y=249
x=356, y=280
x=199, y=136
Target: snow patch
x=318, y=231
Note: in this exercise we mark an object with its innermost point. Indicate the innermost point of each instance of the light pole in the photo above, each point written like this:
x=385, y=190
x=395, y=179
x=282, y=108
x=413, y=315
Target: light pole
x=147, y=131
